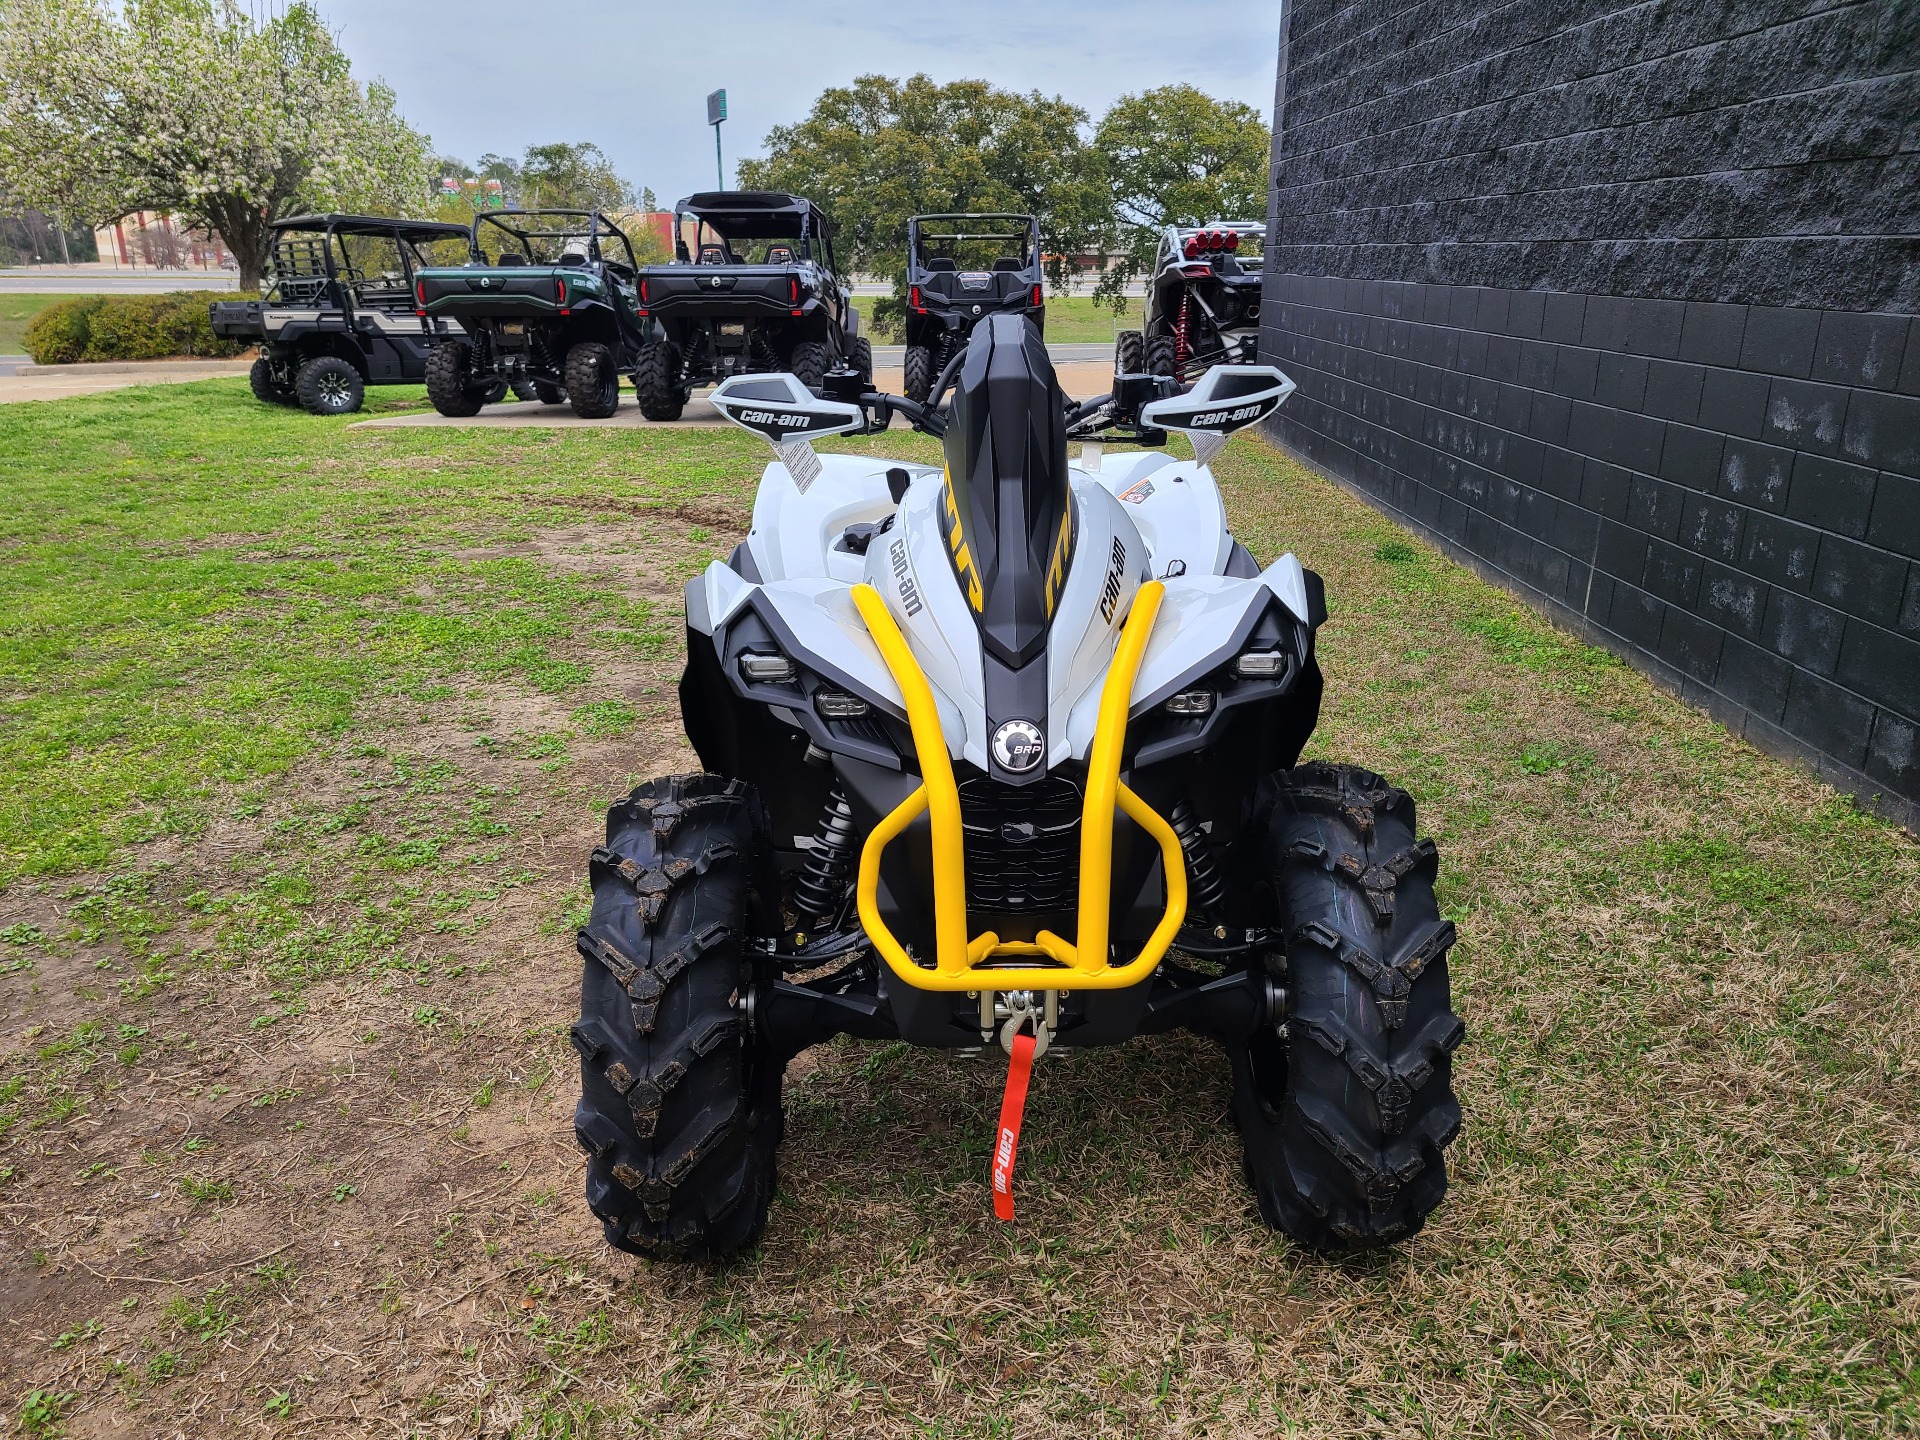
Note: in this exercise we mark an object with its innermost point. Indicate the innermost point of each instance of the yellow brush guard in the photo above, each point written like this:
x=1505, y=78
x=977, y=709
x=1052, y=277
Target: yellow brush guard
x=959, y=961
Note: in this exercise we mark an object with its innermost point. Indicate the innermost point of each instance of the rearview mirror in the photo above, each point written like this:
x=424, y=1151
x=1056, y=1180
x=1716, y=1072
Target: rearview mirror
x=787, y=415
x=1227, y=398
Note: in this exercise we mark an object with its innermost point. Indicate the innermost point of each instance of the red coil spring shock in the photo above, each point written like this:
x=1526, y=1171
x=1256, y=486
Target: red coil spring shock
x=1180, y=351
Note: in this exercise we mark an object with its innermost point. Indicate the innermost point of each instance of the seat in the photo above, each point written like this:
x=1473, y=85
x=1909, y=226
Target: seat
x=714, y=255
x=511, y=257
x=1009, y=265
x=572, y=257
x=779, y=255
x=940, y=264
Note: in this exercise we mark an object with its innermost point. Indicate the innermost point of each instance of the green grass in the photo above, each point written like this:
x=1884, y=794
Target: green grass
x=1071, y=319
x=308, y=733
x=16, y=313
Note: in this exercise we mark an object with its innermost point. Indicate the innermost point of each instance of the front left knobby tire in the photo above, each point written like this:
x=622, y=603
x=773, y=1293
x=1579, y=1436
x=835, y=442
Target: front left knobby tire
x=808, y=362
x=1345, y=1112
x=680, y=1107
x=328, y=385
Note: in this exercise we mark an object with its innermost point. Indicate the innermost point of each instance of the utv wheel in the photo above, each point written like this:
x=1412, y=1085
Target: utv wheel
x=494, y=392
x=548, y=394
x=657, y=382
x=1159, y=355
x=328, y=385
x=266, y=389
x=450, y=384
x=809, y=361
x=679, y=1107
x=1345, y=1120
x=919, y=373
x=861, y=358
x=1129, y=353
x=593, y=384
x=523, y=388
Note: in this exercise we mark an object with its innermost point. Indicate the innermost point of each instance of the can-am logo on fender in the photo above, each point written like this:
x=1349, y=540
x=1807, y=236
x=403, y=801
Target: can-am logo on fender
x=1018, y=745
x=903, y=578
x=785, y=419
x=1110, y=589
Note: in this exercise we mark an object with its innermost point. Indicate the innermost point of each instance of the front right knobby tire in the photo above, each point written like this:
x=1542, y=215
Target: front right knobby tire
x=1345, y=1119
x=680, y=1105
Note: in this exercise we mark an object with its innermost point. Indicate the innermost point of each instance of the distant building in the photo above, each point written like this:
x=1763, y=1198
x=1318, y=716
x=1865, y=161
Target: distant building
x=154, y=240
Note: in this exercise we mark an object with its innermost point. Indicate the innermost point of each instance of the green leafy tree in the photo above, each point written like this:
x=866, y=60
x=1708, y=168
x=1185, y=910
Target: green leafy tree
x=194, y=108
x=879, y=150
x=1176, y=156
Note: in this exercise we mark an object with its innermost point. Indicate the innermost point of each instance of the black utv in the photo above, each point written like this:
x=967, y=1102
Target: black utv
x=960, y=269
x=1203, y=302
x=547, y=304
x=337, y=313
x=754, y=287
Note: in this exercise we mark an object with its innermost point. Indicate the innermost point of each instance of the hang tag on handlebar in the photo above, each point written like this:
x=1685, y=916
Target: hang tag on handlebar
x=802, y=464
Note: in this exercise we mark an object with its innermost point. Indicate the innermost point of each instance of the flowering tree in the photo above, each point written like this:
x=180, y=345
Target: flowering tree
x=191, y=107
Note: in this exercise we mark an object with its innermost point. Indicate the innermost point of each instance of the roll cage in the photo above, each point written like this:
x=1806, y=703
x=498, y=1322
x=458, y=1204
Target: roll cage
x=708, y=225
x=934, y=239
x=526, y=235
x=310, y=255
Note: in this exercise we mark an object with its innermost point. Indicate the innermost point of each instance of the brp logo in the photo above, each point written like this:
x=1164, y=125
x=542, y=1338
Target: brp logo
x=715, y=282
x=1018, y=746
x=485, y=282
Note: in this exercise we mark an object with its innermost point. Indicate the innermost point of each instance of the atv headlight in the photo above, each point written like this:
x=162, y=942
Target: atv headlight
x=1261, y=664
x=1191, y=702
x=839, y=705
x=775, y=669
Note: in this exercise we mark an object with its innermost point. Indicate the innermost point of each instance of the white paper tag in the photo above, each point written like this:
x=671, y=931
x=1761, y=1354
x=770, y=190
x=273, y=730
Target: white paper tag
x=802, y=464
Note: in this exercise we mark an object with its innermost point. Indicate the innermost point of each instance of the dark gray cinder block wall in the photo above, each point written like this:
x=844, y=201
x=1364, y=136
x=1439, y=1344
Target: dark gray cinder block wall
x=1617, y=301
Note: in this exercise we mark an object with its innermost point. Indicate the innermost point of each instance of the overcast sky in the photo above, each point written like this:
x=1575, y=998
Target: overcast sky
x=488, y=75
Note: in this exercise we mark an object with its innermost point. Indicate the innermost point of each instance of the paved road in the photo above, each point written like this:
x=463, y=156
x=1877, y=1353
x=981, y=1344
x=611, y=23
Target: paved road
x=105, y=280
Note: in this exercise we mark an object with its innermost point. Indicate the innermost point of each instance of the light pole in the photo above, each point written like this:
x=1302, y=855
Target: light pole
x=717, y=112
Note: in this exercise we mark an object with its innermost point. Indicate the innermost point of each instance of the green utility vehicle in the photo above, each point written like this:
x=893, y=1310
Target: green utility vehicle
x=548, y=305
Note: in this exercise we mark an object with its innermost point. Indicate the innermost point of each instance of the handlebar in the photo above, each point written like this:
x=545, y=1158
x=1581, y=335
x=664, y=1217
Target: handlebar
x=1115, y=415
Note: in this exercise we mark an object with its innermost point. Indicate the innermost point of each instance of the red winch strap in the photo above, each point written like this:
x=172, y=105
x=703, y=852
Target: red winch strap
x=1012, y=1106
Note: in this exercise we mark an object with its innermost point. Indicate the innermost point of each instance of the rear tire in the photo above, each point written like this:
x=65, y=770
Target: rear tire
x=656, y=382
x=450, y=384
x=523, y=388
x=1159, y=355
x=328, y=385
x=1345, y=1120
x=679, y=1106
x=548, y=394
x=809, y=360
x=919, y=373
x=266, y=389
x=861, y=358
x=1129, y=353
x=593, y=383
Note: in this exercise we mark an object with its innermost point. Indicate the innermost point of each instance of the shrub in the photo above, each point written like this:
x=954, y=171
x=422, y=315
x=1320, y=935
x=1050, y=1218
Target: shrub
x=126, y=327
x=58, y=334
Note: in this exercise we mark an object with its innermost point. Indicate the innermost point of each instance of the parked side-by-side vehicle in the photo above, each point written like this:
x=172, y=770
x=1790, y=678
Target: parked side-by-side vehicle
x=547, y=306
x=337, y=313
x=754, y=288
x=1203, y=302
x=961, y=269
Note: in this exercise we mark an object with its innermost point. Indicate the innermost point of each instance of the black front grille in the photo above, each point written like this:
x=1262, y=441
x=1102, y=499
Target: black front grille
x=1023, y=846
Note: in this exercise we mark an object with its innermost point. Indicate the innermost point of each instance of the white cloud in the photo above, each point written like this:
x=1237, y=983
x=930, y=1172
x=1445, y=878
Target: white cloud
x=487, y=75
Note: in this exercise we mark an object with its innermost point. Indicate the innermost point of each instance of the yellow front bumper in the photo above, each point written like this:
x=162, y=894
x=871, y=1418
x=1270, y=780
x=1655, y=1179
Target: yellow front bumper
x=963, y=962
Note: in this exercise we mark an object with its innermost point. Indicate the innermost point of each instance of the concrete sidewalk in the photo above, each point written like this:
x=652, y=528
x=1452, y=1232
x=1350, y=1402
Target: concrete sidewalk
x=28, y=381
x=1080, y=380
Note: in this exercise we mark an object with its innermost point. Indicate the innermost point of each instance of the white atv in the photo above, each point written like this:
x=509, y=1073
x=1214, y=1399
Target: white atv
x=1007, y=752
